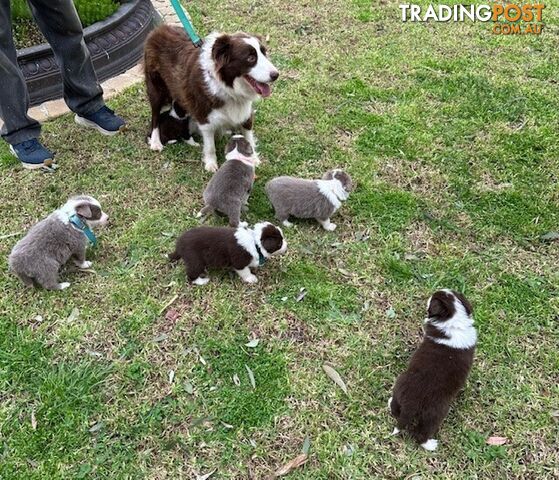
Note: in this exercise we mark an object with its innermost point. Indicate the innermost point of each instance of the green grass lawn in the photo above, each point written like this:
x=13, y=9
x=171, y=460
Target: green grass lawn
x=452, y=136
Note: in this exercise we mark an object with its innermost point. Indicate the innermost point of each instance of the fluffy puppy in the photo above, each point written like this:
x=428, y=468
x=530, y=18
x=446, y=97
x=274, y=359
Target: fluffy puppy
x=222, y=247
x=437, y=370
x=318, y=199
x=175, y=125
x=229, y=188
x=64, y=234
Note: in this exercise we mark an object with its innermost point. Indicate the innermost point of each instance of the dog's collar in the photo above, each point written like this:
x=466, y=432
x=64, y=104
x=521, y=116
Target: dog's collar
x=77, y=222
x=242, y=158
x=261, y=258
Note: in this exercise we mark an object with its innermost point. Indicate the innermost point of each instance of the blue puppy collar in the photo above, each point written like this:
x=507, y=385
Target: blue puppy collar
x=261, y=258
x=77, y=222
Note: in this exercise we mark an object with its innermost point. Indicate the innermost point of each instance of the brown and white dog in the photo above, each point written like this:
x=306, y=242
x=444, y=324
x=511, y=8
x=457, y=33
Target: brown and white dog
x=223, y=247
x=437, y=370
x=216, y=84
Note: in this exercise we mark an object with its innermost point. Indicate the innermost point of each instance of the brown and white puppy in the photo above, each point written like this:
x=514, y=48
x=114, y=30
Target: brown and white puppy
x=229, y=188
x=216, y=84
x=437, y=370
x=318, y=199
x=37, y=257
x=222, y=247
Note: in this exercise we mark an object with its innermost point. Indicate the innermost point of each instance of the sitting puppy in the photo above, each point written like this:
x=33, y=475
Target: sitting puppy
x=49, y=244
x=224, y=247
x=175, y=125
x=437, y=370
x=318, y=199
x=229, y=188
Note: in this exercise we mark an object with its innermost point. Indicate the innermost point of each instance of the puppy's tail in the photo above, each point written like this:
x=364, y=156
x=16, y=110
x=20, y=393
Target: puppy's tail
x=173, y=257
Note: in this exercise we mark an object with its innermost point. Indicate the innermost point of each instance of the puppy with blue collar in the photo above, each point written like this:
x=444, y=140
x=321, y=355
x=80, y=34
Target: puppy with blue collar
x=36, y=259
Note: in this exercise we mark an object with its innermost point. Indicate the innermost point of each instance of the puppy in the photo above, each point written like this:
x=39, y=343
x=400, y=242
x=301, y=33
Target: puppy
x=318, y=199
x=216, y=84
x=222, y=247
x=64, y=234
x=437, y=370
x=229, y=188
x=174, y=126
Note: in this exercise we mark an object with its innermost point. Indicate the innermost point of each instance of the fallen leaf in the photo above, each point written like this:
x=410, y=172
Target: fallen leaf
x=496, y=440
x=202, y=360
x=227, y=425
x=189, y=388
x=550, y=236
x=171, y=376
x=390, y=313
x=335, y=377
x=172, y=315
x=345, y=272
x=251, y=376
x=292, y=465
x=302, y=294
x=555, y=415
x=283, y=299
x=206, y=476
x=33, y=420
x=236, y=380
x=74, y=314
x=93, y=353
x=161, y=337
x=306, y=446
x=96, y=427
x=253, y=343
x=348, y=450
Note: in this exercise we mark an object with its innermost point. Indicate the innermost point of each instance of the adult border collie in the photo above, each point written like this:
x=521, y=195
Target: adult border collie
x=216, y=84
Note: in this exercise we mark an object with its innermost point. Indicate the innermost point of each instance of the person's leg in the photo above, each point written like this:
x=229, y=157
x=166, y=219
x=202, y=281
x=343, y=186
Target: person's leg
x=14, y=98
x=61, y=26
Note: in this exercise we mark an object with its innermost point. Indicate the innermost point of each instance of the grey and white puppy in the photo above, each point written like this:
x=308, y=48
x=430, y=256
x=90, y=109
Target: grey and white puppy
x=318, y=199
x=37, y=257
x=229, y=188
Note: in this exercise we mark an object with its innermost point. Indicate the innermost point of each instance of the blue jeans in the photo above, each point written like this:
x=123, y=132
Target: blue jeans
x=61, y=26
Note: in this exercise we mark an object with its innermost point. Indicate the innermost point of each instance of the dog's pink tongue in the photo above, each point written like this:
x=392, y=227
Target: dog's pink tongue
x=265, y=89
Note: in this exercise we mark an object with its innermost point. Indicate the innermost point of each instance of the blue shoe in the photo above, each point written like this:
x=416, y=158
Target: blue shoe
x=103, y=120
x=32, y=154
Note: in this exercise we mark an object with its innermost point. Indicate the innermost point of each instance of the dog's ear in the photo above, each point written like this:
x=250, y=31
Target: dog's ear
x=441, y=306
x=221, y=51
x=271, y=239
x=83, y=210
x=464, y=301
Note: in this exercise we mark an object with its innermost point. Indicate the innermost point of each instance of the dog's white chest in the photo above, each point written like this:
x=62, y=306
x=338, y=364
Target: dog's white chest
x=232, y=114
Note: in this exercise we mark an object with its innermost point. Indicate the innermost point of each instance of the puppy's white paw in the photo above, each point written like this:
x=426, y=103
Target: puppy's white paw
x=85, y=264
x=243, y=224
x=210, y=164
x=331, y=227
x=390, y=404
x=155, y=142
x=63, y=285
x=250, y=278
x=199, y=214
x=201, y=281
x=287, y=223
x=192, y=142
x=430, y=445
x=396, y=431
